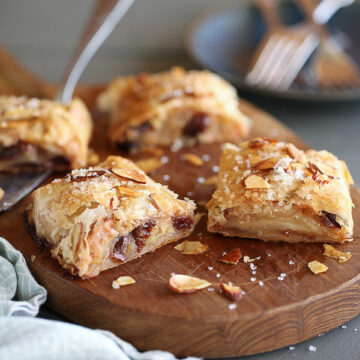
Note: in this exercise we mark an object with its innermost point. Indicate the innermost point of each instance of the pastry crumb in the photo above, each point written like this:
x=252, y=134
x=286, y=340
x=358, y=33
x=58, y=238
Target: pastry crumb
x=191, y=247
x=232, y=306
x=330, y=251
x=32, y=257
x=193, y=159
x=312, y=348
x=2, y=193
x=317, y=267
x=123, y=281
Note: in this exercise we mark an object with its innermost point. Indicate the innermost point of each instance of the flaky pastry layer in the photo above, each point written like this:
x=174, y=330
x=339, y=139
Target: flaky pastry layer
x=273, y=191
x=97, y=218
x=173, y=107
x=42, y=134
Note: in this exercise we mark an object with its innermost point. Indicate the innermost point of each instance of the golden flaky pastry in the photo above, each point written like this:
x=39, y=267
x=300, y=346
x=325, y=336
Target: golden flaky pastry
x=273, y=191
x=173, y=107
x=42, y=134
x=97, y=218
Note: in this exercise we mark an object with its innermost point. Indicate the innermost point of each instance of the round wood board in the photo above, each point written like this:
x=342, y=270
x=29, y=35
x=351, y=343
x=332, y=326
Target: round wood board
x=151, y=316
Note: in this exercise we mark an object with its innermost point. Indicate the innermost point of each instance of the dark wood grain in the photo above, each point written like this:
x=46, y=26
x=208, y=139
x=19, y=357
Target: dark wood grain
x=150, y=316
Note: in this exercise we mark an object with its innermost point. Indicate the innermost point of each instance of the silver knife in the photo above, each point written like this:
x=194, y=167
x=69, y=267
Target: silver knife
x=105, y=16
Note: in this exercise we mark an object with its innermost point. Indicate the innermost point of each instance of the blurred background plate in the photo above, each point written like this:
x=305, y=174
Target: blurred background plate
x=224, y=42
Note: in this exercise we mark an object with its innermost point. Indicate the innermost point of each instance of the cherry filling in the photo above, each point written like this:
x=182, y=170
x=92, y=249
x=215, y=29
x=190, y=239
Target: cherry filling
x=7, y=153
x=197, y=124
x=139, y=235
x=182, y=222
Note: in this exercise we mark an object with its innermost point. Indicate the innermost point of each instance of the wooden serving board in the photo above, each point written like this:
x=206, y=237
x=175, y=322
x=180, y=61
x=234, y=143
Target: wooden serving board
x=151, y=316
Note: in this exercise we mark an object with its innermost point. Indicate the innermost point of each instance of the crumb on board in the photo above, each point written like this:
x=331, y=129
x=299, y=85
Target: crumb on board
x=123, y=281
x=191, y=247
x=32, y=257
x=317, y=267
x=331, y=252
x=193, y=159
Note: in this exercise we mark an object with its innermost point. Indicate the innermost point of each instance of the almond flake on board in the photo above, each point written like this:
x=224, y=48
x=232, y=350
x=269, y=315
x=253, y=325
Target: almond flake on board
x=191, y=247
x=149, y=164
x=212, y=180
x=232, y=257
x=256, y=182
x=185, y=284
x=232, y=292
x=123, y=281
x=330, y=251
x=317, y=267
x=129, y=174
x=194, y=159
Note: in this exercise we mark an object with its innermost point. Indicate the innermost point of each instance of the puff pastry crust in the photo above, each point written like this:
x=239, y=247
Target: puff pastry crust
x=42, y=134
x=273, y=191
x=97, y=218
x=172, y=107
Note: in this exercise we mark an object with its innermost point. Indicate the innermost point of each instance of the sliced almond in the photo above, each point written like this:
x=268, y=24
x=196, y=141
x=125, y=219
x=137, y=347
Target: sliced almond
x=233, y=292
x=254, y=159
x=191, y=247
x=211, y=180
x=330, y=251
x=32, y=257
x=150, y=164
x=162, y=202
x=295, y=153
x=185, y=284
x=267, y=164
x=317, y=267
x=129, y=174
x=152, y=151
x=232, y=257
x=256, y=182
x=260, y=142
x=123, y=281
x=124, y=191
x=193, y=159
x=2, y=193
x=88, y=175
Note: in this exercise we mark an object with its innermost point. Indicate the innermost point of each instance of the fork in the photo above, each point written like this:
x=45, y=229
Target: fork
x=282, y=53
x=331, y=67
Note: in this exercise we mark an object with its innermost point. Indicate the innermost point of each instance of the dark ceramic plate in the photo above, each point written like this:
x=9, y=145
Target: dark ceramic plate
x=224, y=42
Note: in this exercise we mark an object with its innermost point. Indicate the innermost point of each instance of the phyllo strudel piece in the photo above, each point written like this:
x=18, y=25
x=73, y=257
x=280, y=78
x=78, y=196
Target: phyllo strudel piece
x=97, y=218
x=273, y=191
x=41, y=134
x=172, y=107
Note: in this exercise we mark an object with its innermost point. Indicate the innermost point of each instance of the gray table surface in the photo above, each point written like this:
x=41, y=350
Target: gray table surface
x=43, y=33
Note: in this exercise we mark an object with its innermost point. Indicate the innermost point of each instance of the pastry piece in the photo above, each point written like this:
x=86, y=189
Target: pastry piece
x=97, y=218
x=42, y=134
x=173, y=107
x=273, y=191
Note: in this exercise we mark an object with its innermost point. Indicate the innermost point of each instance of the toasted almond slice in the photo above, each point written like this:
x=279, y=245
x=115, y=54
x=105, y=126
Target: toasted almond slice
x=185, y=284
x=256, y=182
x=317, y=267
x=124, y=191
x=193, y=159
x=295, y=153
x=191, y=247
x=162, y=202
x=233, y=292
x=2, y=193
x=152, y=151
x=123, y=281
x=129, y=174
x=267, y=164
x=232, y=257
x=90, y=174
x=254, y=159
x=211, y=180
x=330, y=251
x=149, y=164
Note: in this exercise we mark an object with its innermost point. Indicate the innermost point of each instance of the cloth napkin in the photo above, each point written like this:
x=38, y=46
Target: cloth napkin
x=24, y=337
